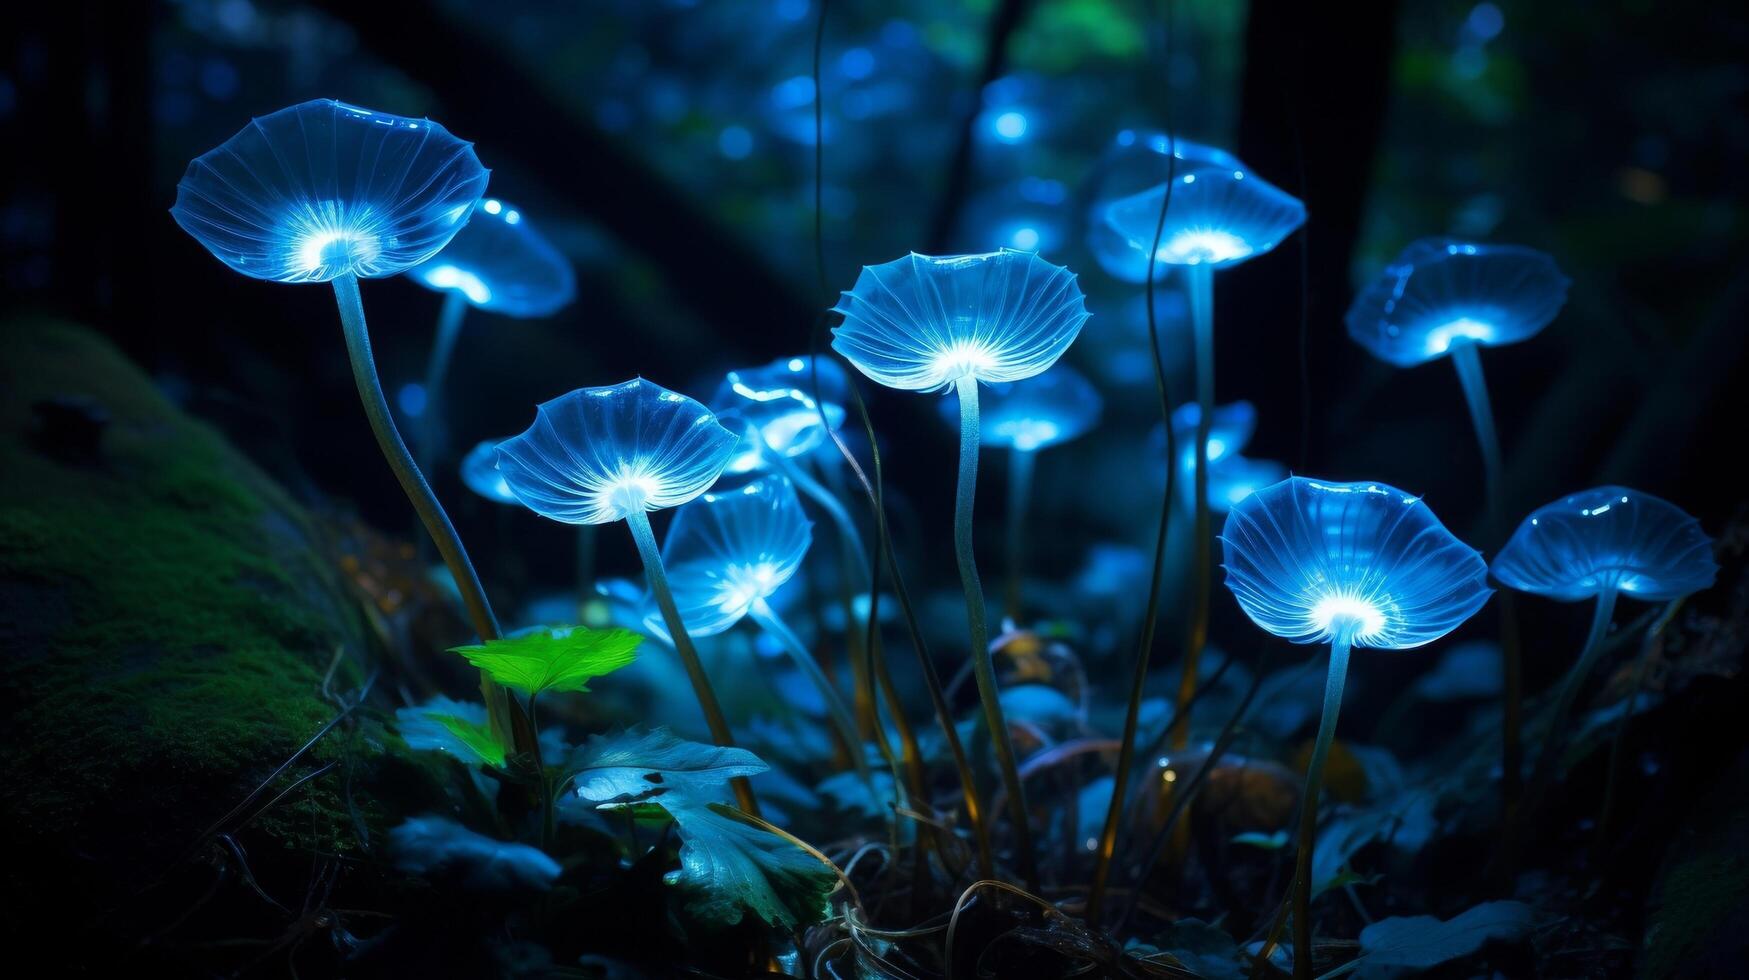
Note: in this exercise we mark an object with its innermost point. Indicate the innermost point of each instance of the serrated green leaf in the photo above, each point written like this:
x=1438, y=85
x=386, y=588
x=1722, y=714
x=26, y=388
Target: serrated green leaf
x=728, y=867
x=458, y=728
x=478, y=738
x=555, y=659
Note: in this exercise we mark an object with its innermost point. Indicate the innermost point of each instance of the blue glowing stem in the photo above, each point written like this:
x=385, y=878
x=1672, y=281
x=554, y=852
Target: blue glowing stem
x=772, y=623
x=828, y=502
x=1467, y=358
x=418, y=491
x=1334, y=680
x=449, y=327
x=983, y=667
x=1019, y=494
x=657, y=575
x=1554, y=738
x=1200, y=283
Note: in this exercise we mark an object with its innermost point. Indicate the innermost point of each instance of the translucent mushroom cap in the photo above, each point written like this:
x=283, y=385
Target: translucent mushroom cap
x=1308, y=560
x=1236, y=477
x=729, y=549
x=324, y=189
x=501, y=264
x=1221, y=213
x=597, y=455
x=1439, y=293
x=1230, y=429
x=924, y=322
x=480, y=473
x=1058, y=405
x=777, y=402
x=1608, y=537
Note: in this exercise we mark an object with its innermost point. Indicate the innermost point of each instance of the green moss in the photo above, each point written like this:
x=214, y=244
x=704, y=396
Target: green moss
x=173, y=615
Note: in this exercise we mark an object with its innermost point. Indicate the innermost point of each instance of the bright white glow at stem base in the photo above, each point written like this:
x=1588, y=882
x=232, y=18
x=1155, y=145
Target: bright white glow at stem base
x=450, y=277
x=1440, y=339
x=963, y=358
x=1202, y=245
x=744, y=585
x=629, y=489
x=1333, y=614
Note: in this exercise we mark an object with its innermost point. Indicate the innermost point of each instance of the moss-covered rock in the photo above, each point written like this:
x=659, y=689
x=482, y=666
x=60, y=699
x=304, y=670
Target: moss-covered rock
x=170, y=623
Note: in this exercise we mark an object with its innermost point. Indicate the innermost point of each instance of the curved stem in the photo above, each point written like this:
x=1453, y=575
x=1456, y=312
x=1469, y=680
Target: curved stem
x=1302, y=914
x=1200, y=280
x=1554, y=738
x=983, y=668
x=657, y=574
x=449, y=327
x=431, y=514
x=1019, y=493
x=768, y=620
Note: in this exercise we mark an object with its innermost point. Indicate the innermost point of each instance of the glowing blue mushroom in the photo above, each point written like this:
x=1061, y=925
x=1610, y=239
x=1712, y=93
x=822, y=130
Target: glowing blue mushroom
x=598, y=455
x=926, y=322
x=500, y=264
x=1230, y=430
x=1601, y=544
x=1236, y=477
x=1348, y=564
x=480, y=473
x=328, y=192
x=1445, y=297
x=776, y=406
x=729, y=552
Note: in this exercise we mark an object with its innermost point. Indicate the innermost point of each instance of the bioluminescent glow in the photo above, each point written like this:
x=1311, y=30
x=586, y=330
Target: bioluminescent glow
x=1608, y=538
x=728, y=550
x=480, y=473
x=776, y=405
x=1312, y=561
x=502, y=265
x=324, y=189
x=1230, y=429
x=1440, y=294
x=1009, y=126
x=924, y=322
x=1026, y=416
x=1220, y=212
x=1236, y=477
x=596, y=455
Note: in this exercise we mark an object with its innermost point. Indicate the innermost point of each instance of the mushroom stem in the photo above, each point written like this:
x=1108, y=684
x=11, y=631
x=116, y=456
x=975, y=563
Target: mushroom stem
x=1200, y=280
x=449, y=327
x=431, y=513
x=1554, y=737
x=1019, y=493
x=772, y=623
x=1466, y=357
x=585, y=562
x=983, y=668
x=657, y=575
x=1302, y=883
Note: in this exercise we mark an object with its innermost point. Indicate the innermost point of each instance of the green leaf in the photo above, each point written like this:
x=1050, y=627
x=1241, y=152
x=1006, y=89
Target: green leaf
x=478, y=738
x=458, y=728
x=1418, y=942
x=562, y=658
x=727, y=867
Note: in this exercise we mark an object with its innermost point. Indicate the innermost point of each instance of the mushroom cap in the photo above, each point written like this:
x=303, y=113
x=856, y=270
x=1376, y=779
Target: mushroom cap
x=1053, y=407
x=325, y=189
x=728, y=549
x=501, y=264
x=1230, y=429
x=480, y=473
x=1440, y=292
x=924, y=322
x=776, y=402
x=1608, y=537
x=1309, y=559
x=1221, y=214
x=596, y=455
x=1236, y=477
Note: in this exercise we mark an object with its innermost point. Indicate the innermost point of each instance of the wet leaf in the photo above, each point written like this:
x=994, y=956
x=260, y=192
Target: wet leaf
x=555, y=659
x=1419, y=942
x=456, y=727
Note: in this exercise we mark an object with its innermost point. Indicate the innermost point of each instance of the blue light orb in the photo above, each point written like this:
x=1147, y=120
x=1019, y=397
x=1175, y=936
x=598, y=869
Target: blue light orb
x=596, y=455
x=924, y=322
x=1230, y=430
x=1029, y=215
x=728, y=550
x=775, y=407
x=324, y=189
x=1608, y=538
x=501, y=264
x=480, y=473
x=1056, y=406
x=1236, y=477
x=1221, y=213
x=1441, y=293
x=1310, y=561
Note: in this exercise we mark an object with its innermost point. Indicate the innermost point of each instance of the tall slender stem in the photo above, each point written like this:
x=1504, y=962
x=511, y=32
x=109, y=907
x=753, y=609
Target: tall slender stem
x=1019, y=494
x=431, y=513
x=772, y=623
x=449, y=327
x=657, y=574
x=1302, y=914
x=1466, y=357
x=1200, y=280
x=1554, y=739
x=585, y=562
x=983, y=668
